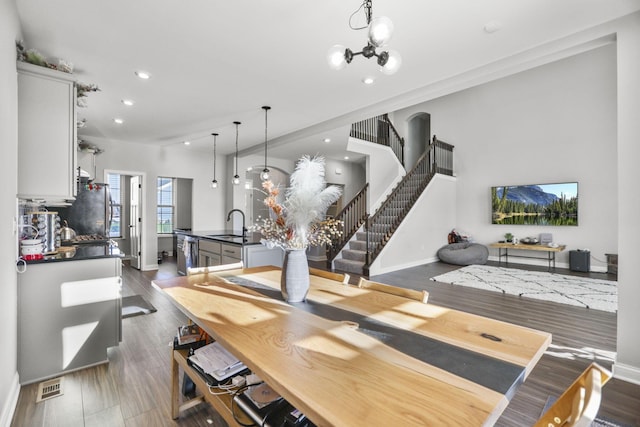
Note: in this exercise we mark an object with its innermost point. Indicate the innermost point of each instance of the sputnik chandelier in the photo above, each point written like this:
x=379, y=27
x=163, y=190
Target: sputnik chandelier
x=380, y=30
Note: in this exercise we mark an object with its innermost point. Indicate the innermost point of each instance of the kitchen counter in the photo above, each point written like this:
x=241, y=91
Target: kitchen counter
x=84, y=251
x=225, y=236
x=215, y=247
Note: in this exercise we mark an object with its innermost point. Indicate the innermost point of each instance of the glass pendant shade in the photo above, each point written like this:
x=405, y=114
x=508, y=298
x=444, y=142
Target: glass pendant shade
x=236, y=180
x=336, y=57
x=380, y=31
x=214, y=184
x=393, y=63
x=264, y=175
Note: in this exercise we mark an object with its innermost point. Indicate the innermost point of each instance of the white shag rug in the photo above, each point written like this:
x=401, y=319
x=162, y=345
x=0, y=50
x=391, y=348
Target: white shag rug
x=574, y=290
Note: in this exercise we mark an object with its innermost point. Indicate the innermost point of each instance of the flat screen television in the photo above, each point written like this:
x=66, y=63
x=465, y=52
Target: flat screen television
x=539, y=204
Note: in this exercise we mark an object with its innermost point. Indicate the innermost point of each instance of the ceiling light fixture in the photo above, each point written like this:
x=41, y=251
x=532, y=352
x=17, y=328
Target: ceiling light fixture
x=127, y=102
x=214, y=183
x=236, y=177
x=143, y=75
x=187, y=143
x=265, y=172
x=380, y=30
x=118, y=121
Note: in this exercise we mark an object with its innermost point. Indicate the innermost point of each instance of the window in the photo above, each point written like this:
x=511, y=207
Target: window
x=114, y=180
x=166, y=207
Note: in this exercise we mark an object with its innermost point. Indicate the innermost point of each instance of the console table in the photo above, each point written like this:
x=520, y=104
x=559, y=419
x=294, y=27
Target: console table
x=352, y=356
x=503, y=251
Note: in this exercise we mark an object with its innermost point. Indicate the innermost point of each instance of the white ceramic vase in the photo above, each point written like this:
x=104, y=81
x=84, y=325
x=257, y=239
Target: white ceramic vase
x=294, y=282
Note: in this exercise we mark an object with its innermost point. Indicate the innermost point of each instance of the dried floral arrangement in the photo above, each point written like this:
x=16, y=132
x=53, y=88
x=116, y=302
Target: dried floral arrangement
x=32, y=56
x=299, y=222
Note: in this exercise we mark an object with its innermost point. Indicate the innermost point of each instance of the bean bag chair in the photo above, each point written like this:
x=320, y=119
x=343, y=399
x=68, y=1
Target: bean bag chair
x=464, y=253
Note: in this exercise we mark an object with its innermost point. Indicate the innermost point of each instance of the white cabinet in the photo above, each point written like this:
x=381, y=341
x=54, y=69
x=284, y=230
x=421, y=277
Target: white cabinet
x=47, y=158
x=230, y=253
x=208, y=253
x=259, y=255
x=69, y=313
x=213, y=252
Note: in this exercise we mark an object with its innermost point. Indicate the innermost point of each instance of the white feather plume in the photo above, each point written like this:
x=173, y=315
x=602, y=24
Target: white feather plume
x=307, y=199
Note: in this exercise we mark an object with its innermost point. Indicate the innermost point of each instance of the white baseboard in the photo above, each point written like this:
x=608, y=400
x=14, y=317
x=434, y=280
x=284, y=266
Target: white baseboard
x=150, y=267
x=626, y=373
x=376, y=270
x=10, y=404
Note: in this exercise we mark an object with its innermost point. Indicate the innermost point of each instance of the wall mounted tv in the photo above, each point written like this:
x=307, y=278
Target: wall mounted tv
x=541, y=204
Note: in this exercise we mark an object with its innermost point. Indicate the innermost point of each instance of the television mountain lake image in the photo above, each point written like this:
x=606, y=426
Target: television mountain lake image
x=544, y=204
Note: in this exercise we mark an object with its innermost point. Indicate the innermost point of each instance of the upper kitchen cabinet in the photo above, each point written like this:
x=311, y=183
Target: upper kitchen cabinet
x=47, y=144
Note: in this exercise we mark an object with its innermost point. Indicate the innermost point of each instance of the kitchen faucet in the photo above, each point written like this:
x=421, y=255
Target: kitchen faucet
x=244, y=228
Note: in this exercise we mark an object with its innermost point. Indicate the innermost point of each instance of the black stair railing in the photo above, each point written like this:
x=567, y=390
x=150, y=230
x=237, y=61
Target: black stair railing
x=380, y=130
x=438, y=158
x=353, y=215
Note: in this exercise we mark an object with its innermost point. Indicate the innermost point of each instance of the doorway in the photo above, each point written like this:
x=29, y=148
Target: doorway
x=127, y=207
x=418, y=138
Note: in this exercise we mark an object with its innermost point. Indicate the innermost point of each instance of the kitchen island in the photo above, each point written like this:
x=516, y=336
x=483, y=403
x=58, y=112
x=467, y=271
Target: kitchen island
x=215, y=247
x=69, y=310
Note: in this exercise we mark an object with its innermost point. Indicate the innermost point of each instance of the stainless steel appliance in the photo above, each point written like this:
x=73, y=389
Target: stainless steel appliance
x=187, y=248
x=47, y=225
x=90, y=213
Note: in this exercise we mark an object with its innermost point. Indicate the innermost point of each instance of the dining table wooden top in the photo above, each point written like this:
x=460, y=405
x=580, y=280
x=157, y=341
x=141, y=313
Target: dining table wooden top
x=349, y=356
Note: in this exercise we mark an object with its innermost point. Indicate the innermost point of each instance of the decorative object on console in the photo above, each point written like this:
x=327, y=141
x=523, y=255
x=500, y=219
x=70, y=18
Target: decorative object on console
x=542, y=204
x=529, y=240
x=299, y=222
x=546, y=238
x=508, y=237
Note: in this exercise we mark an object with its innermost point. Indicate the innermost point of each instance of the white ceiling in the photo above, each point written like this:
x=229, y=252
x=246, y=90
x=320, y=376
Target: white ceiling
x=213, y=62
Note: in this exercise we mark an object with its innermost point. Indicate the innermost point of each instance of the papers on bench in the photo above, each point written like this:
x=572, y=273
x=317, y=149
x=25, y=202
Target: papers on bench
x=216, y=361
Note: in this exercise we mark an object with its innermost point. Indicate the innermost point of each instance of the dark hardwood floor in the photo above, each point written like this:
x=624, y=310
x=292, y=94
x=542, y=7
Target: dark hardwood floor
x=134, y=388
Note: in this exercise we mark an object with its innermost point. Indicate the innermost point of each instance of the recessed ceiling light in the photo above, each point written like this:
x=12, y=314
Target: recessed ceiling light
x=327, y=140
x=346, y=157
x=368, y=80
x=118, y=121
x=492, y=27
x=143, y=74
x=187, y=143
x=127, y=102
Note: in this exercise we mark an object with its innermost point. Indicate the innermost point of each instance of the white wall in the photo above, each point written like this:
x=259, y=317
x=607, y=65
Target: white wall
x=628, y=358
x=554, y=123
x=9, y=384
x=423, y=231
x=174, y=161
x=383, y=170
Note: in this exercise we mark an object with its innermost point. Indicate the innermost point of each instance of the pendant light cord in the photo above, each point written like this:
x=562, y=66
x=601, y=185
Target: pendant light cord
x=266, y=108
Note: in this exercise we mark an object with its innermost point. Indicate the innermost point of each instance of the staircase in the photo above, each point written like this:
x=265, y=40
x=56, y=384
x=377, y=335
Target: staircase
x=359, y=253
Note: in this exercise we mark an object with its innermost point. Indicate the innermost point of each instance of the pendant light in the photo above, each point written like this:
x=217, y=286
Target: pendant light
x=236, y=177
x=265, y=172
x=380, y=31
x=214, y=183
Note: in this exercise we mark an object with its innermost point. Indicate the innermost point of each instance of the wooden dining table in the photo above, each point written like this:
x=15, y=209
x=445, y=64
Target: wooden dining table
x=349, y=356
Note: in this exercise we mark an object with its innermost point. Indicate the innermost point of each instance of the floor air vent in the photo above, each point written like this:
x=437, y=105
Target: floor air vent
x=49, y=389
